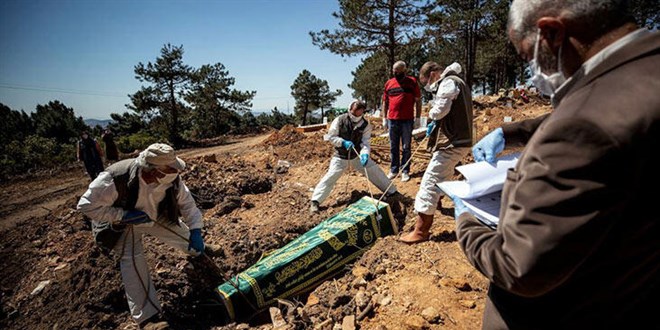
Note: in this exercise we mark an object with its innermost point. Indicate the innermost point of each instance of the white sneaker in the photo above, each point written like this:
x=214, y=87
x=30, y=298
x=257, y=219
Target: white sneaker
x=391, y=175
x=405, y=177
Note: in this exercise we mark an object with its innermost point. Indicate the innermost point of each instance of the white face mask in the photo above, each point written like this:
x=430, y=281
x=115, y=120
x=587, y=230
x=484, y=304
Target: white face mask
x=168, y=178
x=431, y=87
x=354, y=118
x=545, y=84
x=84, y=136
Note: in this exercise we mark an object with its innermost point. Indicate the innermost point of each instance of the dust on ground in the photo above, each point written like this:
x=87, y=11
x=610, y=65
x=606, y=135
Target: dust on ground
x=254, y=194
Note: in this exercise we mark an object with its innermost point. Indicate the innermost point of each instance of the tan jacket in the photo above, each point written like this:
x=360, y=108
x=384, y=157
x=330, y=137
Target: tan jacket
x=578, y=243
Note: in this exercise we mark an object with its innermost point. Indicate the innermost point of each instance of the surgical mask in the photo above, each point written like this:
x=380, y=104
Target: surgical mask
x=545, y=84
x=168, y=178
x=431, y=88
x=84, y=136
x=354, y=118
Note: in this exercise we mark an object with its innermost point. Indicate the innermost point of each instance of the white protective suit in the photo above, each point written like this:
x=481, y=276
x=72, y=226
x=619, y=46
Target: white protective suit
x=97, y=202
x=442, y=164
x=338, y=165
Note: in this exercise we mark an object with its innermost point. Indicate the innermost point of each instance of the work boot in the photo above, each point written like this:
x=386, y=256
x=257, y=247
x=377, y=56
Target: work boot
x=314, y=208
x=213, y=250
x=421, y=231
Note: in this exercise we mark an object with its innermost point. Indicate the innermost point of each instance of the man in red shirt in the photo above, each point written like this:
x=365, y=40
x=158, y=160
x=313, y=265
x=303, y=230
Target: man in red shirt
x=400, y=96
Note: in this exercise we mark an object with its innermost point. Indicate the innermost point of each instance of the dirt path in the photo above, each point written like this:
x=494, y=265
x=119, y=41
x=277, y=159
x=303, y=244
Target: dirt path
x=30, y=198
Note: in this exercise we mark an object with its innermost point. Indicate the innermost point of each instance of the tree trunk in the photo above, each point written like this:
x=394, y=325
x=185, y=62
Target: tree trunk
x=174, y=134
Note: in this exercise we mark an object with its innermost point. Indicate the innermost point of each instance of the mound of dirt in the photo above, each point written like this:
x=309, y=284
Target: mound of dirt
x=286, y=135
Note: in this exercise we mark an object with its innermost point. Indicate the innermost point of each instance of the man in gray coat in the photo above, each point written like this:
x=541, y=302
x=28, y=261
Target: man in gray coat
x=578, y=241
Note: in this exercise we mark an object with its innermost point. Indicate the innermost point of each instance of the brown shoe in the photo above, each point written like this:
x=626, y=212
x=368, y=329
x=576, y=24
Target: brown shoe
x=421, y=232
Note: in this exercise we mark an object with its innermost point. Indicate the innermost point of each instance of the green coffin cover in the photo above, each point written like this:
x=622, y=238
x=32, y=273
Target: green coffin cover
x=308, y=260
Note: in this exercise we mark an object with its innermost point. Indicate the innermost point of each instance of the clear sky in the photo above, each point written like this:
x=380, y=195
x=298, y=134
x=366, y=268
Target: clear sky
x=82, y=52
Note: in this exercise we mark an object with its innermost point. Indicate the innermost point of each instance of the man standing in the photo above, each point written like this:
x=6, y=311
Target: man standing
x=400, y=96
x=450, y=139
x=137, y=196
x=577, y=242
x=350, y=133
x=91, y=154
x=111, y=152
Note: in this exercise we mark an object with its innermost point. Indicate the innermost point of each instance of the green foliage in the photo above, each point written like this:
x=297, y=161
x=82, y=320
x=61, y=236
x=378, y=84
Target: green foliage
x=326, y=96
x=126, y=124
x=168, y=77
x=14, y=126
x=275, y=119
x=215, y=104
x=305, y=90
x=57, y=121
x=34, y=152
x=135, y=142
x=368, y=26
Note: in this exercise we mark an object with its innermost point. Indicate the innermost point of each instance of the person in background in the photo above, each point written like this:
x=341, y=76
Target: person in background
x=350, y=134
x=111, y=152
x=401, y=95
x=450, y=139
x=139, y=196
x=90, y=153
x=577, y=242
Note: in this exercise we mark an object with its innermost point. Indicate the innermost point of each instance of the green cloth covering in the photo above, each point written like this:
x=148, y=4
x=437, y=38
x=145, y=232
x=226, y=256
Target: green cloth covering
x=308, y=260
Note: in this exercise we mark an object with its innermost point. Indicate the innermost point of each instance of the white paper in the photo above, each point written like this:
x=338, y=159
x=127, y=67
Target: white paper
x=481, y=190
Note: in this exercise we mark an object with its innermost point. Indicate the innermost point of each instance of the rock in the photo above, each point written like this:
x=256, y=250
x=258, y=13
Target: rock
x=385, y=301
x=348, y=323
x=210, y=158
x=468, y=303
x=312, y=300
x=431, y=315
x=40, y=287
x=362, y=299
x=458, y=284
x=276, y=318
x=360, y=272
x=415, y=322
x=359, y=283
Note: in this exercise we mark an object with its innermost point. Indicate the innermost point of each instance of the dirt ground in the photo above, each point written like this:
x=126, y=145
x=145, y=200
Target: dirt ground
x=254, y=193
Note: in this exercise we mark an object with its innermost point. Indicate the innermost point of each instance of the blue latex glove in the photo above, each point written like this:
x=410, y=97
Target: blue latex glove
x=134, y=217
x=364, y=158
x=489, y=146
x=196, y=241
x=459, y=207
x=348, y=145
x=429, y=128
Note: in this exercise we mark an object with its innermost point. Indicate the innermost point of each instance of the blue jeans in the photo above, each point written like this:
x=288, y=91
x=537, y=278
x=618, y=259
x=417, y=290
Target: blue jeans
x=400, y=133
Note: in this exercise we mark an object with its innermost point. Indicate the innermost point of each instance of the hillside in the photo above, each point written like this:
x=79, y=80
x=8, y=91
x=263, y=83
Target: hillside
x=254, y=193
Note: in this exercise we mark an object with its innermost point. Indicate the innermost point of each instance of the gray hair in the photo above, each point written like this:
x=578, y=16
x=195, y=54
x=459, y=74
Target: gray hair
x=399, y=65
x=599, y=16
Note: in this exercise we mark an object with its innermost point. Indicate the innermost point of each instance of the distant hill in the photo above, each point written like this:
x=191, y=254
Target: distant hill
x=93, y=122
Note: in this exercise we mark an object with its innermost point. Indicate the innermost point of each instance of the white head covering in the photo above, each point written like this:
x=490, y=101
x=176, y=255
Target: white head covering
x=160, y=154
x=452, y=67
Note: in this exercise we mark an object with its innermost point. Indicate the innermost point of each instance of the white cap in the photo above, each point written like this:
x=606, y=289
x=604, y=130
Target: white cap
x=160, y=154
